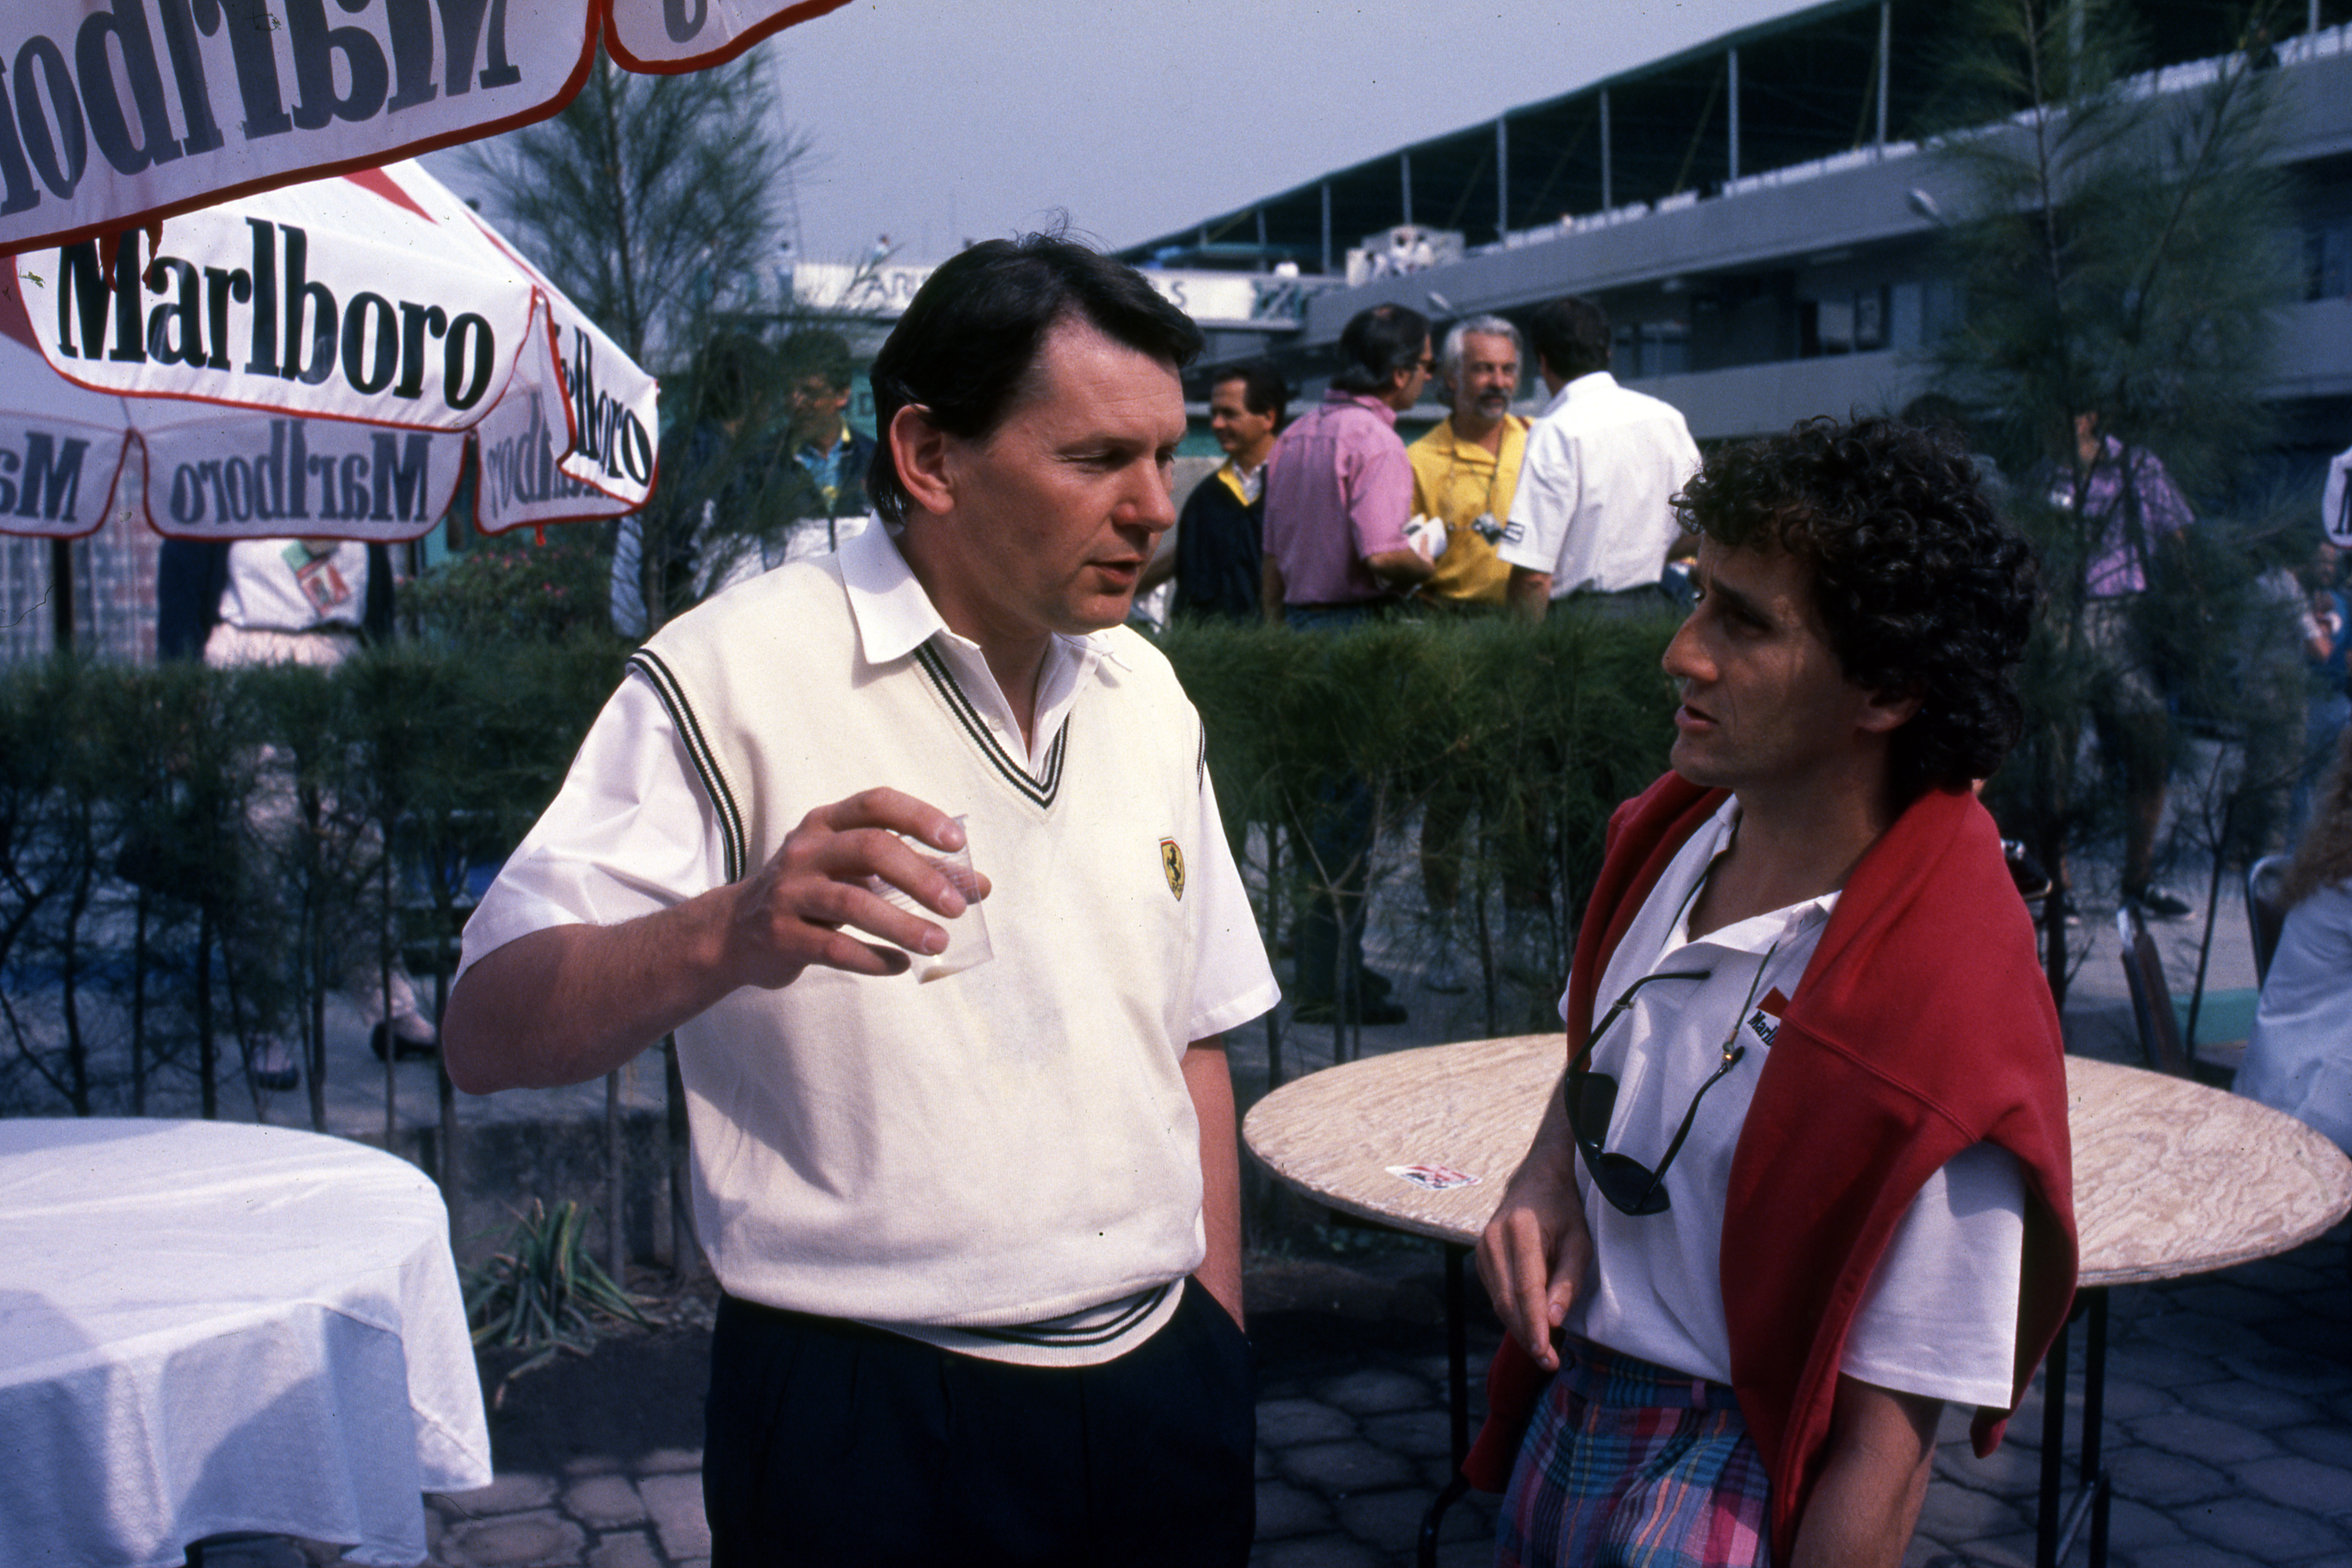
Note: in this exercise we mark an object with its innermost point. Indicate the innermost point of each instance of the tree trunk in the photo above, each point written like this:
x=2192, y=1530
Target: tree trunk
x=207, y=1049
x=616, y=1256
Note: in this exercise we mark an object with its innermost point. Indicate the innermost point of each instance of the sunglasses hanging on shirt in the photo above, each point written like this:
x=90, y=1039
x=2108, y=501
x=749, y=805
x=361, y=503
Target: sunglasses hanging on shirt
x=1631, y=1186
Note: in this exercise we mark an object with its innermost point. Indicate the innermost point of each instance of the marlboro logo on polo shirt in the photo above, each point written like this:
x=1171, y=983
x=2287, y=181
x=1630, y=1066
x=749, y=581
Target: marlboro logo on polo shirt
x=1764, y=1022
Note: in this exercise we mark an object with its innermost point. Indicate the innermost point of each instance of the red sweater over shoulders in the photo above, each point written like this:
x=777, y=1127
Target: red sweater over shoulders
x=1922, y=1026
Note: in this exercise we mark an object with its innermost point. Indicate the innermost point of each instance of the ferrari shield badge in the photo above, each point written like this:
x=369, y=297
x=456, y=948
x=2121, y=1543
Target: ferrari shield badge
x=1172, y=860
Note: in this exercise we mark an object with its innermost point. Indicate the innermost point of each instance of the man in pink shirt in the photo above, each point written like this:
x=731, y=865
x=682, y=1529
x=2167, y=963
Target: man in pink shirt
x=1341, y=489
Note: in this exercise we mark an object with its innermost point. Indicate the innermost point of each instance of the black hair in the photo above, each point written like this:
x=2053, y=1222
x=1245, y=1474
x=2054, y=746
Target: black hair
x=1571, y=335
x=728, y=376
x=817, y=350
x=969, y=336
x=1378, y=343
x=1263, y=390
x=1923, y=591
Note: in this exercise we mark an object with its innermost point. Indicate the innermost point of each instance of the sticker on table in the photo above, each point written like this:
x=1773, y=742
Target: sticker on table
x=1434, y=1178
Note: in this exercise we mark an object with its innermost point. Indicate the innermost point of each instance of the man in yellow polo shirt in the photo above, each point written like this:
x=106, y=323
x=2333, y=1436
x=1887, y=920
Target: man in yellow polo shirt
x=1464, y=469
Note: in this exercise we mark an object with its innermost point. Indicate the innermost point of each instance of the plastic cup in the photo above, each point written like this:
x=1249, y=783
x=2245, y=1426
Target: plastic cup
x=968, y=946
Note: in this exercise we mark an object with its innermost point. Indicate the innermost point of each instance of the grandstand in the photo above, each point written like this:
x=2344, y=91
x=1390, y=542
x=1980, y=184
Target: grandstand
x=1757, y=214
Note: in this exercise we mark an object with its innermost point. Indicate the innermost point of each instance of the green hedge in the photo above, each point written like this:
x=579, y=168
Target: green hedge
x=1566, y=719
x=129, y=926
x=1528, y=736
x=125, y=839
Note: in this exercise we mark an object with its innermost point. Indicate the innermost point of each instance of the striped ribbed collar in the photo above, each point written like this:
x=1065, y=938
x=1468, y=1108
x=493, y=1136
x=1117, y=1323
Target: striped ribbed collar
x=895, y=616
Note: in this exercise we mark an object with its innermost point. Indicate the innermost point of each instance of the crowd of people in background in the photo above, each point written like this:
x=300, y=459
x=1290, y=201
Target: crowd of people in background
x=1486, y=512
x=1324, y=516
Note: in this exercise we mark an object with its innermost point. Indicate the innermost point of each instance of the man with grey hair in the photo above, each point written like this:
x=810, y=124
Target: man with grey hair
x=1464, y=472
x=1465, y=468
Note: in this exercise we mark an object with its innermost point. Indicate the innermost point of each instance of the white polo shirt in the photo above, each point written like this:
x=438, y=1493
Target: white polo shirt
x=991, y=1152
x=1940, y=1316
x=279, y=586
x=1594, y=506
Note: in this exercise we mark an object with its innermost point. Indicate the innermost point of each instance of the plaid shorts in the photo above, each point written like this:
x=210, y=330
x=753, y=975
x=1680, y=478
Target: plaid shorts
x=1627, y=1465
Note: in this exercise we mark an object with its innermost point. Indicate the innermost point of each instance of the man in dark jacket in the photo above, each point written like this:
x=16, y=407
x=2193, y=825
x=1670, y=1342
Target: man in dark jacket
x=1217, y=534
x=829, y=457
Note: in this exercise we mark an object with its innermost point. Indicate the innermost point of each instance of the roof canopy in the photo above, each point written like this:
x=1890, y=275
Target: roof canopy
x=1808, y=86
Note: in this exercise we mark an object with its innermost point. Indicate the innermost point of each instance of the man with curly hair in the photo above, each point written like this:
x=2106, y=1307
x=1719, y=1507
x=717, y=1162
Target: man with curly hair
x=1806, y=1177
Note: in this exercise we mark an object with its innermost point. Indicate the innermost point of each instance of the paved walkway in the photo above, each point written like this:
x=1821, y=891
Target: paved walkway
x=2229, y=1432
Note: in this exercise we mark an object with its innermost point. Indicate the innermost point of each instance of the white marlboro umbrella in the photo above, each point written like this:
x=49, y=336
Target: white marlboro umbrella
x=114, y=112
x=322, y=360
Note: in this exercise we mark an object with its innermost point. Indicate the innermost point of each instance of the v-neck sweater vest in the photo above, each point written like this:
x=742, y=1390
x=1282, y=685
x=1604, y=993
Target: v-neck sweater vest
x=1009, y=1143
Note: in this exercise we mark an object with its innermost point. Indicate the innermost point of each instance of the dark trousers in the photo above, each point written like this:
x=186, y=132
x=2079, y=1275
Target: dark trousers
x=1339, y=841
x=1339, y=845
x=829, y=1443
x=1670, y=595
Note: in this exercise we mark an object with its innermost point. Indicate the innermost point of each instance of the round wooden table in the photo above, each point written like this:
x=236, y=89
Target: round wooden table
x=2172, y=1178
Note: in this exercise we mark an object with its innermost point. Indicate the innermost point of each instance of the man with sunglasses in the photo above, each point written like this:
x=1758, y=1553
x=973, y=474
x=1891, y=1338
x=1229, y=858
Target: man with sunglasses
x=1338, y=493
x=1806, y=1177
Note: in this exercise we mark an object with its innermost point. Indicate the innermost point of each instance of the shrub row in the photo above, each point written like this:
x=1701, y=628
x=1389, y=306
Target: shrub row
x=129, y=862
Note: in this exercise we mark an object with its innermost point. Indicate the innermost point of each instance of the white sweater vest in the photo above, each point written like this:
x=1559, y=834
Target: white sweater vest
x=1005, y=1145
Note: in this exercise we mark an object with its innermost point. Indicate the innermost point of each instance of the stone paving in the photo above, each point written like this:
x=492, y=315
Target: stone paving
x=602, y=1513
x=2228, y=1428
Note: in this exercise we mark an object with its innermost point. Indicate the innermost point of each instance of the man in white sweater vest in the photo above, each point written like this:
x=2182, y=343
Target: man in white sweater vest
x=979, y=1230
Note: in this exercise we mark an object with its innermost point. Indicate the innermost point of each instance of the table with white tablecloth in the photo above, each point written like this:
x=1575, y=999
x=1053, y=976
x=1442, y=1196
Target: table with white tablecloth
x=213, y=1328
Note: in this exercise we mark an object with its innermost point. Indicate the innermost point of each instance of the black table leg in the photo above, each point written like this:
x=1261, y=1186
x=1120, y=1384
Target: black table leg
x=1457, y=1368
x=1430, y=1522
x=2054, y=1529
x=1457, y=1351
x=2094, y=1399
x=2054, y=1450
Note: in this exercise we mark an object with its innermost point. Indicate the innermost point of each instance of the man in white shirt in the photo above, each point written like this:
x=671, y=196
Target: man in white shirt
x=290, y=601
x=2336, y=500
x=1594, y=514
x=1806, y=1177
x=954, y=1212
